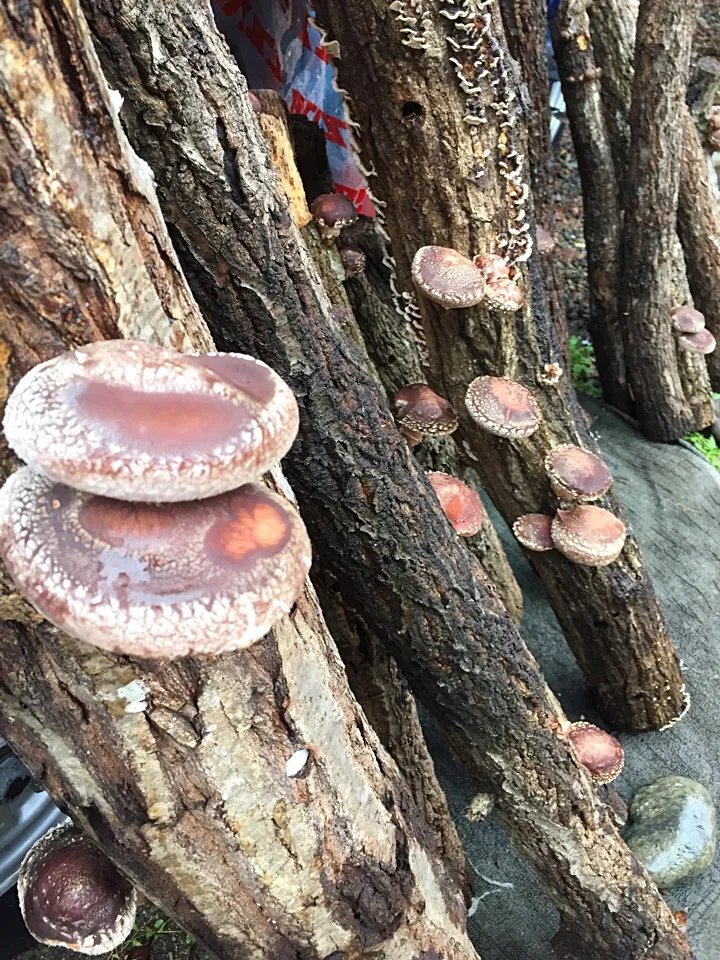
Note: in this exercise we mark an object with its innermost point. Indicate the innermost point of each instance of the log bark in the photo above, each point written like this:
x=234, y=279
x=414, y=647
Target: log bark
x=525, y=23
x=610, y=616
x=178, y=770
x=601, y=201
x=365, y=500
x=671, y=394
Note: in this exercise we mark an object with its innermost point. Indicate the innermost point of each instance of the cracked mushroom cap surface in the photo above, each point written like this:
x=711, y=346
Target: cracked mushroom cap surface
x=599, y=752
x=492, y=266
x=333, y=210
x=532, y=530
x=154, y=580
x=577, y=474
x=447, y=277
x=687, y=320
x=702, y=342
x=504, y=295
x=421, y=411
x=460, y=503
x=72, y=896
x=136, y=421
x=503, y=407
x=589, y=535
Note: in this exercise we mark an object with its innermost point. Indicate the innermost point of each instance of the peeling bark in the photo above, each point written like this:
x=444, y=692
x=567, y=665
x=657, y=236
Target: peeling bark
x=366, y=502
x=610, y=616
x=178, y=770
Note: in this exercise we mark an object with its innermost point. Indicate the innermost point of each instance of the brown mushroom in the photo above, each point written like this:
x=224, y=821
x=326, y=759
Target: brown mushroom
x=503, y=407
x=353, y=261
x=72, y=896
x=599, y=752
x=332, y=212
x=589, y=535
x=492, y=266
x=687, y=320
x=701, y=342
x=544, y=241
x=420, y=412
x=533, y=531
x=447, y=277
x=135, y=421
x=460, y=503
x=504, y=295
x=577, y=474
x=154, y=580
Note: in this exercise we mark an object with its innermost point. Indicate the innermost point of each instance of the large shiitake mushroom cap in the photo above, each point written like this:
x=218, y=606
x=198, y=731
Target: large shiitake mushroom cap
x=136, y=421
x=503, y=407
x=447, y=277
x=154, y=580
x=460, y=503
x=419, y=412
x=532, y=530
x=72, y=896
x=589, y=535
x=577, y=474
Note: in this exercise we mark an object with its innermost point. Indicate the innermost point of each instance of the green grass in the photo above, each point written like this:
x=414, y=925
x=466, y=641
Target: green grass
x=707, y=447
x=146, y=933
x=583, y=372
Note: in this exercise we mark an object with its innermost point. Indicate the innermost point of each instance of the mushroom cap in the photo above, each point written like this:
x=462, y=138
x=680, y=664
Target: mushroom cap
x=492, y=266
x=72, y=896
x=136, y=421
x=503, y=407
x=333, y=210
x=577, y=474
x=589, y=535
x=701, y=342
x=533, y=531
x=503, y=294
x=255, y=102
x=460, y=503
x=420, y=410
x=687, y=319
x=599, y=752
x=353, y=261
x=154, y=580
x=545, y=242
x=447, y=277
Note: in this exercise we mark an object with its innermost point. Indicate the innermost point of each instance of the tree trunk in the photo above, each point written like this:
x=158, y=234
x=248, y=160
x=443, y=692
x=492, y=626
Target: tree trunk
x=610, y=616
x=601, y=203
x=525, y=24
x=364, y=498
x=178, y=770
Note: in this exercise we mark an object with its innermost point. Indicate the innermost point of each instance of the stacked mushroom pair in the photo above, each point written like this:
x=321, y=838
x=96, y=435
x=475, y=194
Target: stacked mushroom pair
x=692, y=335
x=138, y=525
x=454, y=281
x=581, y=531
x=420, y=412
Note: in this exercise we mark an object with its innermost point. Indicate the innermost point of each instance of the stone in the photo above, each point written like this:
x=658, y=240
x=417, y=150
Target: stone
x=672, y=829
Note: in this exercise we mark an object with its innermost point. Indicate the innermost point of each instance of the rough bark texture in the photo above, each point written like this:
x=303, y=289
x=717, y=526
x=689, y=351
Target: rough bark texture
x=698, y=223
x=178, y=770
x=665, y=407
x=525, y=24
x=366, y=502
x=601, y=203
x=610, y=615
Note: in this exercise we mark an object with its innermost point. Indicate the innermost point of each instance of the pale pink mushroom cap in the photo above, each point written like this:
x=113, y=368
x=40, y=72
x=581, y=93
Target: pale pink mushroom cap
x=135, y=421
x=72, y=896
x=154, y=580
x=503, y=407
x=544, y=241
x=460, y=503
x=533, y=531
x=701, y=342
x=504, y=295
x=599, y=752
x=492, y=266
x=589, y=535
x=447, y=277
x=687, y=320
x=577, y=474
